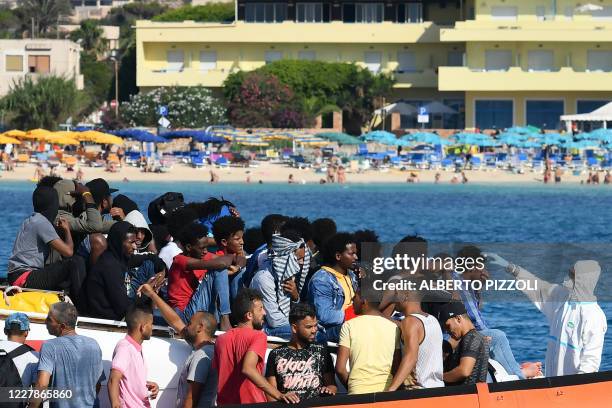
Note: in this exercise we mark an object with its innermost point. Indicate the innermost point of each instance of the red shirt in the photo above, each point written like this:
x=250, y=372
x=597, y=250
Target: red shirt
x=230, y=349
x=182, y=283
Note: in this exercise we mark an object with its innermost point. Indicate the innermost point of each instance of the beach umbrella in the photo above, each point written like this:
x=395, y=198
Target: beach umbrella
x=521, y=130
x=61, y=140
x=436, y=107
x=587, y=8
x=15, y=133
x=339, y=137
x=8, y=140
x=378, y=136
x=97, y=137
x=528, y=144
x=34, y=134
x=201, y=136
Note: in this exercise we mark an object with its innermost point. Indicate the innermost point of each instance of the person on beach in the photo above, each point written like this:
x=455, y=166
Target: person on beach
x=302, y=366
x=608, y=177
x=240, y=354
x=499, y=346
x=196, y=275
x=128, y=386
x=330, y=173
x=287, y=264
x=197, y=385
x=214, y=176
x=38, y=235
x=291, y=179
x=74, y=361
x=558, y=174
x=577, y=325
x=332, y=288
x=422, y=345
x=468, y=362
x=341, y=175
x=437, y=177
x=25, y=359
x=371, y=343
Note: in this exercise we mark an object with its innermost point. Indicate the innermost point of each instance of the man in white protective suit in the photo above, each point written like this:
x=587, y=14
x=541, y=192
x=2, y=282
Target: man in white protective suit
x=577, y=323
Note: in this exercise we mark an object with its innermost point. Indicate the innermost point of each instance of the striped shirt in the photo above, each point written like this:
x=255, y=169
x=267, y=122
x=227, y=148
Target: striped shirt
x=471, y=301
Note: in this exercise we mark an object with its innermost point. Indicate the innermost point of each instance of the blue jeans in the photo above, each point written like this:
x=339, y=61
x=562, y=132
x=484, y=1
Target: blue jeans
x=139, y=276
x=284, y=332
x=501, y=352
x=328, y=334
x=214, y=286
x=236, y=283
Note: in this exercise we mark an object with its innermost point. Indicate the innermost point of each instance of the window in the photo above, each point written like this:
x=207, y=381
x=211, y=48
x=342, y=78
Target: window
x=599, y=61
x=541, y=13
x=208, y=60
x=272, y=56
x=369, y=12
x=14, y=63
x=265, y=12
x=544, y=114
x=373, y=60
x=541, y=60
x=454, y=120
x=175, y=60
x=498, y=60
x=569, y=13
x=39, y=64
x=589, y=106
x=309, y=13
x=494, y=114
x=406, y=61
x=455, y=59
x=348, y=13
x=504, y=13
x=414, y=13
x=604, y=14
x=306, y=55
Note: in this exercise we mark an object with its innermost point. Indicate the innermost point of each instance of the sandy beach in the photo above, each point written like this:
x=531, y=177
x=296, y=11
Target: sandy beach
x=277, y=173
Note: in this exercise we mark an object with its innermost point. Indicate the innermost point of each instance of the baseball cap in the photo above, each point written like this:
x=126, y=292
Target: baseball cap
x=449, y=310
x=17, y=318
x=99, y=189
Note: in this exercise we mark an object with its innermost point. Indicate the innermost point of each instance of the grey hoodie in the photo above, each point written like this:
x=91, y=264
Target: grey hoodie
x=136, y=218
x=90, y=221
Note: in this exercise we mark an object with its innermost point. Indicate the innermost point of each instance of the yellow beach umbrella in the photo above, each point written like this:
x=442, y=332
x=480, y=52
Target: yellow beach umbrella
x=7, y=139
x=37, y=134
x=61, y=140
x=99, y=137
x=15, y=133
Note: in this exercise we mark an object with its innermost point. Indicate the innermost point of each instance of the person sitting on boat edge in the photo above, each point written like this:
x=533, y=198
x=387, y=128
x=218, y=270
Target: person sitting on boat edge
x=577, y=324
x=240, y=354
x=108, y=285
x=227, y=232
x=468, y=363
x=74, y=361
x=197, y=277
x=302, y=366
x=36, y=237
x=287, y=264
x=332, y=288
x=25, y=359
x=127, y=384
x=371, y=343
x=499, y=347
x=197, y=385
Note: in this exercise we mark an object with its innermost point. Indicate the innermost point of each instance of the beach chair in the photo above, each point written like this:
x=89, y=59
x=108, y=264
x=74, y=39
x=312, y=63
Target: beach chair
x=476, y=163
x=593, y=163
x=419, y=161
x=362, y=150
x=22, y=158
x=435, y=162
x=222, y=162
x=447, y=164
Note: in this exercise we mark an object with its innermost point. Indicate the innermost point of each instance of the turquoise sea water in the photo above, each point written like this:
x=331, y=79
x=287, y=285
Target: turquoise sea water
x=440, y=213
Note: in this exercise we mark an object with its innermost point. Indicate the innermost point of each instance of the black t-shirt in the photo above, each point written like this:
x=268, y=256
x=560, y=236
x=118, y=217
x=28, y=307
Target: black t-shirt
x=300, y=371
x=473, y=344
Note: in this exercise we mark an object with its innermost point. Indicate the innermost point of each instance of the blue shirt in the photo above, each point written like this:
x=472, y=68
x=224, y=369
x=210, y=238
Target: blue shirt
x=75, y=363
x=471, y=301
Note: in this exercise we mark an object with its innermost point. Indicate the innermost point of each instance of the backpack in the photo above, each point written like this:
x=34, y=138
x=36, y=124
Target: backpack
x=10, y=375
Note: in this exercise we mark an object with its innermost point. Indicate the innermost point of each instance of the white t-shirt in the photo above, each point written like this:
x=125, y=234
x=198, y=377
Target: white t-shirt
x=168, y=253
x=27, y=363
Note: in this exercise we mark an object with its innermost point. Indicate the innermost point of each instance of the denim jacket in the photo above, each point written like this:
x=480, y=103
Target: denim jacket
x=326, y=294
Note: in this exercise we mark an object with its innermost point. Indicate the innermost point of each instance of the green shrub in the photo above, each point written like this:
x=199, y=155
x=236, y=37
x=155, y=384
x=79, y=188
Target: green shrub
x=213, y=12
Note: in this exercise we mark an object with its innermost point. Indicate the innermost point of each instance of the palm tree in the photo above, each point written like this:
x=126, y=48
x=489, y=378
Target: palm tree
x=45, y=103
x=91, y=36
x=43, y=13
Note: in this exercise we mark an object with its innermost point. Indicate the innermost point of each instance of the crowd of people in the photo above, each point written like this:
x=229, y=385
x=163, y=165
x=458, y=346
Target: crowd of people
x=196, y=268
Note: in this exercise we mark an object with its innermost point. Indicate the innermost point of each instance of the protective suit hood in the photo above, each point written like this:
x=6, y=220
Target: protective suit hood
x=582, y=287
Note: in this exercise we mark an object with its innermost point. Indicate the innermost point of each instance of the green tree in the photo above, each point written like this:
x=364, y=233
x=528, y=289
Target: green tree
x=322, y=87
x=9, y=23
x=217, y=12
x=43, y=103
x=44, y=13
x=91, y=36
x=98, y=79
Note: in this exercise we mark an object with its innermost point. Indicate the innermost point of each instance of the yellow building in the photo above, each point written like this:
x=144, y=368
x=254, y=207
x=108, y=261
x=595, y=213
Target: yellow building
x=496, y=63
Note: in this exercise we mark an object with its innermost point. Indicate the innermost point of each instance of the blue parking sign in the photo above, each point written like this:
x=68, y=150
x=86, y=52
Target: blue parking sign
x=422, y=110
x=163, y=110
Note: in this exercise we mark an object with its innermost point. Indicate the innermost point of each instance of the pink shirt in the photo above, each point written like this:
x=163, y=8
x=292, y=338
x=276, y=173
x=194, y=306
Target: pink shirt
x=127, y=358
